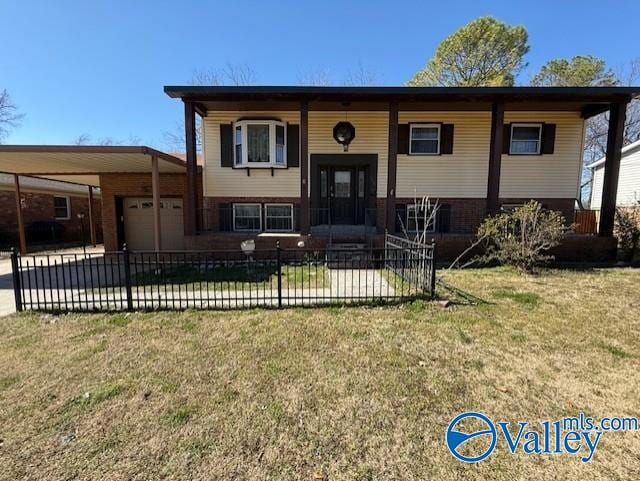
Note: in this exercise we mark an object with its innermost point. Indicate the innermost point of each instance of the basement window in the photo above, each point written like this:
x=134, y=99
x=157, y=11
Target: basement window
x=247, y=217
x=61, y=208
x=278, y=217
x=525, y=139
x=260, y=143
x=417, y=218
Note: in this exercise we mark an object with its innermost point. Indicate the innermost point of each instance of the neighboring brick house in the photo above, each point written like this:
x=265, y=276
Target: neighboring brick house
x=50, y=211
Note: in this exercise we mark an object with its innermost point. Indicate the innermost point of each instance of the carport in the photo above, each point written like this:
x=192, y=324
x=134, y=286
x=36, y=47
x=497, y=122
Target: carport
x=87, y=165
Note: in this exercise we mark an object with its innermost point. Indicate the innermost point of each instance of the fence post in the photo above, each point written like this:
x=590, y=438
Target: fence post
x=279, y=267
x=432, y=281
x=17, y=288
x=127, y=277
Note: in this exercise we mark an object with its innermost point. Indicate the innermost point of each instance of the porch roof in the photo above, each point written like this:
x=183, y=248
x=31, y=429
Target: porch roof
x=83, y=164
x=587, y=100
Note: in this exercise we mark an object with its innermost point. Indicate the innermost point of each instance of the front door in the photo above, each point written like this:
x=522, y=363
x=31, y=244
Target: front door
x=343, y=202
x=343, y=194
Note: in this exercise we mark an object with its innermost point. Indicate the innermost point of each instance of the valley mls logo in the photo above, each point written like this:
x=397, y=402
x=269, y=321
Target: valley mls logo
x=456, y=440
x=472, y=436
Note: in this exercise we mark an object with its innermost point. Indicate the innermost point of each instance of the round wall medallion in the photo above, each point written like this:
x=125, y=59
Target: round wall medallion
x=344, y=133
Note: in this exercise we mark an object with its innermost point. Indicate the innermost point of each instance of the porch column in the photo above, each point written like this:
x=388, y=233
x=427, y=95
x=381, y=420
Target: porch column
x=21, y=236
x=155, y=189
x=92, y=222
x=615, y=137
x=304, y=167
x=495, y=157
x=392, y=168
x=191, y=214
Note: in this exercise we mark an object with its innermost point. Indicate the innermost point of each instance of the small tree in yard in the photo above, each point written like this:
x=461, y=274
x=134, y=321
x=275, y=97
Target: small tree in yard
x=522, y=237
x=627, y=229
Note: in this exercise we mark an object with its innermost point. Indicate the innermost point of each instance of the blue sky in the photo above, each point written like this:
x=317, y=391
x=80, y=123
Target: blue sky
x=98, y=67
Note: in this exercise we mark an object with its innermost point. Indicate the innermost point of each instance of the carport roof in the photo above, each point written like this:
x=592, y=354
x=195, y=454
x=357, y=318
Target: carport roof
x=82, y=164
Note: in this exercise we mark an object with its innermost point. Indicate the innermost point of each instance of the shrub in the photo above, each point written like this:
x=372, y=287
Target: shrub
x=627, y=229
x=522, y=237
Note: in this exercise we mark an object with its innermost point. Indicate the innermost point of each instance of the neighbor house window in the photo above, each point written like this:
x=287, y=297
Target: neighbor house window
x=417, y=218
x=260, y=143
x=247, y=217
x=278, y=217
x=525, y=139
x=61, y=208
x=425, y=139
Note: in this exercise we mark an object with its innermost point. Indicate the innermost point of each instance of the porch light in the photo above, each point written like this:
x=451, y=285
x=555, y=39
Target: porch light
x=344, y=133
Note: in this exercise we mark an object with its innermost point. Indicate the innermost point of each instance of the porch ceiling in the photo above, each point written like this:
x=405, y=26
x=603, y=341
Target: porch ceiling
x=83, y=164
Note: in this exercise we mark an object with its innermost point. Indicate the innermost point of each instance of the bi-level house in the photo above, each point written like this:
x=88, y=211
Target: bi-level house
x=346, y=162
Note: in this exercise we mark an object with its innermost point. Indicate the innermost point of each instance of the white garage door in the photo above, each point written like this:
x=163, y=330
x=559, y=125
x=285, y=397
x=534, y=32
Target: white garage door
x=138, y=223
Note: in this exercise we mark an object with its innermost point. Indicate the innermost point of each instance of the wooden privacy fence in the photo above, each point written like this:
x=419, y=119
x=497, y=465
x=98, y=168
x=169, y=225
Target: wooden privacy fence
x=585, y=221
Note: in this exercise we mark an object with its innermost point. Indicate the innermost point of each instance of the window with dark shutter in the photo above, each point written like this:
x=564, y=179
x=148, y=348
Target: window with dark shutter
x=403, y=138
x=548, y=138
x=506, y=138
x=293, y=145
x=446, y=139
x=226, y=145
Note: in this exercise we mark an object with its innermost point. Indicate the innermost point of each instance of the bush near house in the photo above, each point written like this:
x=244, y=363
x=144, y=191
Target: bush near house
x=522, y=237
x=627, y=230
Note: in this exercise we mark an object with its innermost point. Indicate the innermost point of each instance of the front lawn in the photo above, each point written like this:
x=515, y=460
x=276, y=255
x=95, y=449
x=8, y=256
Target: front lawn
x=329, y=393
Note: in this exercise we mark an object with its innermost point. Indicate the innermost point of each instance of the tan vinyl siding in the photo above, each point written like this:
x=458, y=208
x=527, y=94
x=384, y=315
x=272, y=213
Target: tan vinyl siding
x=461, y=174
x=227, y=182
x=545, y=176
x=372, y=137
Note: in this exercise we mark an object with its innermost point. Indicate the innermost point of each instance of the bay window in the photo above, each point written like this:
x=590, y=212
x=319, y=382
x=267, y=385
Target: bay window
x=260, y=143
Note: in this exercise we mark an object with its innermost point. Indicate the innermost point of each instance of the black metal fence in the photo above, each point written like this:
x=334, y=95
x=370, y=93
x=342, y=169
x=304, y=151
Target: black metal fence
x=126, y=280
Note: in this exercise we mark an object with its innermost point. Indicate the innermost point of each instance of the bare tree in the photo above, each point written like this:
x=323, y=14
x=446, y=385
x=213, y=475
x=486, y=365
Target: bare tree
x=231, y=74
x=82, y=139
x=9, y=115
x=315, y=78
x=86, y=139
x=362, y=76
x=597, y=127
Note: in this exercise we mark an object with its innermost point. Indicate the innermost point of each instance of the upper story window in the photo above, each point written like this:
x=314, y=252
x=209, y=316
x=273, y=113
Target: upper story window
x=525, y=139
x=61, y=208
x=424, y=139
x=260, y=143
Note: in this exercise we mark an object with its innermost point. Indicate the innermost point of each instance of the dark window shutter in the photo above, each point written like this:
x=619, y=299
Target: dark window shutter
x=403, y=138
x=506, y=138
x=226, y=145
x=225, y=217
x=293, y=145
x=548, y=138
x=443, y=218
x=446, y=140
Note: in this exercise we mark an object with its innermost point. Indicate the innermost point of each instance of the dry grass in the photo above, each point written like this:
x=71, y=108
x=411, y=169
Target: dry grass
x=353, y=393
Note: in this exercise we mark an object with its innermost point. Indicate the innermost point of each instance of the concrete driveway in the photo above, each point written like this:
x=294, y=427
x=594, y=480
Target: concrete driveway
x=7, y=301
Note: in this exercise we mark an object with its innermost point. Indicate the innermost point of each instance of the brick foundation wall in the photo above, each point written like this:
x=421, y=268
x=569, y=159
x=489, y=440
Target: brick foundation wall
x=135, y=185
x=39, y=207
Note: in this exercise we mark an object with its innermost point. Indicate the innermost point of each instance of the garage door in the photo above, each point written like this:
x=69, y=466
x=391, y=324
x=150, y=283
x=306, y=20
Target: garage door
x=138, y=223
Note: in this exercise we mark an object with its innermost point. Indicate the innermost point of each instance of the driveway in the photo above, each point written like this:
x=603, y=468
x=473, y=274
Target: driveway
x=7, y=301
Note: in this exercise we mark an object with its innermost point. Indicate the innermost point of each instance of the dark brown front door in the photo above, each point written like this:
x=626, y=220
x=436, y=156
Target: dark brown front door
x=343, y=194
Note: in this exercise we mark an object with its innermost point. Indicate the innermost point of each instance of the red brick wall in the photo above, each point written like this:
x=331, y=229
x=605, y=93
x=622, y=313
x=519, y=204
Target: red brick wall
x=39, y=207
x=135, y=185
